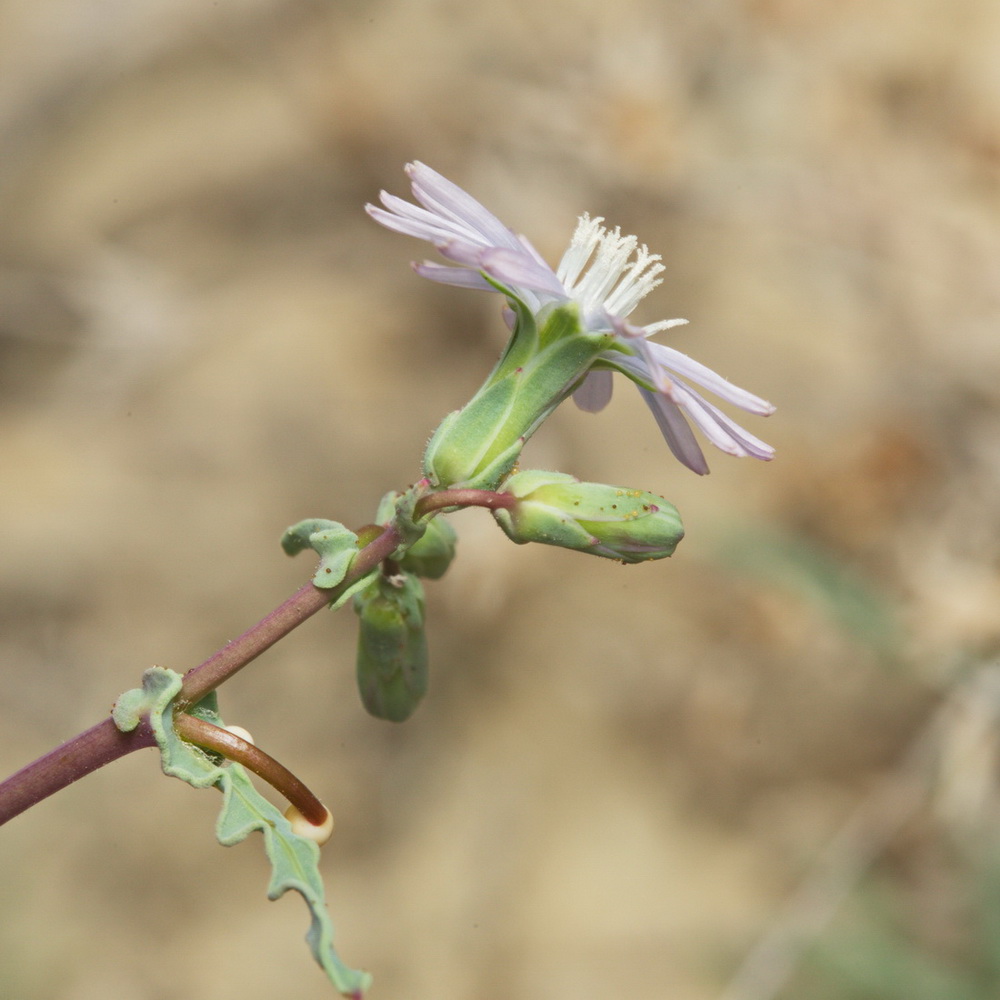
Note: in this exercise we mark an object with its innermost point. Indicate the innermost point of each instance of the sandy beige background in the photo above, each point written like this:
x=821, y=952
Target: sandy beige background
x=620, y=774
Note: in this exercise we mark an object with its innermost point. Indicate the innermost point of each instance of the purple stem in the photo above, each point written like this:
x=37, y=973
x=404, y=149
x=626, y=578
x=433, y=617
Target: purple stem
x=103, y=743
x=462, y=498
x=99, y=745
x=283, y=619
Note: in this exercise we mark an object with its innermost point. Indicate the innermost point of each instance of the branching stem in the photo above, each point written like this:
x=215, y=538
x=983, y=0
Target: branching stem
x=103, y=743
x=301, y=605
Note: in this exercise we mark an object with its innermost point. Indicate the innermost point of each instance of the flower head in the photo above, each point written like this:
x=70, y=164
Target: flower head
x=604, y=275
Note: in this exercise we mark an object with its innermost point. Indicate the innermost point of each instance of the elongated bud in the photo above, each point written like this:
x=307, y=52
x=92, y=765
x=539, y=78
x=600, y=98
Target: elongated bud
x=557, y=509
x=392, y=646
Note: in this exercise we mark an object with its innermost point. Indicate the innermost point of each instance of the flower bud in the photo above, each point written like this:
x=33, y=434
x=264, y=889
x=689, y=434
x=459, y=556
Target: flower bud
x=392, y=647
x=431, y=555
x=557, y=509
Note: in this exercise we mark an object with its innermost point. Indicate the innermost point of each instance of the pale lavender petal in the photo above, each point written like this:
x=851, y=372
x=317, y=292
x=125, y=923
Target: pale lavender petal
x=438, y=226
x=514, y=268
x=723, y=432
x=753, y=445
x=416, y=222
x=446, y=198
x=594, y=392
x=465, y=232
x=463, y=252
x=448, y=213
x=641, y=366
x=676, y=431
x=702, y=375
x=517, y=269
x=458, y=276
x=532, y=252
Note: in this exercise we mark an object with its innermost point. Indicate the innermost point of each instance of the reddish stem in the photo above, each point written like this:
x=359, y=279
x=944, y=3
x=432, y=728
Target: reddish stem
x=103, y=743
x=462, y=498
x=204, y=734
x=301, y=605
x=99, y=745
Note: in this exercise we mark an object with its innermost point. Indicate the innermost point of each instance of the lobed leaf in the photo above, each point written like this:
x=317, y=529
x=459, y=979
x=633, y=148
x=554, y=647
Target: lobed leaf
x=294, y=860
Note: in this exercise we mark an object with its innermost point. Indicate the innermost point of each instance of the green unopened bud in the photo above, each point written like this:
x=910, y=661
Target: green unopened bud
x=431, y=555
x=557, y=509
x=392, y=647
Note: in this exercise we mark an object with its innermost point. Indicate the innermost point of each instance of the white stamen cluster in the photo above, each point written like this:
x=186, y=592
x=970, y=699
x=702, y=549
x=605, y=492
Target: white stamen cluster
x=610, y=283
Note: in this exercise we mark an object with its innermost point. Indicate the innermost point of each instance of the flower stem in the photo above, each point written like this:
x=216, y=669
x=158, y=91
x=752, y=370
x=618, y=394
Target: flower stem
x=301, y=605
x=103, y=743
x=204, y=734
x=99, y=745
x=462, y=498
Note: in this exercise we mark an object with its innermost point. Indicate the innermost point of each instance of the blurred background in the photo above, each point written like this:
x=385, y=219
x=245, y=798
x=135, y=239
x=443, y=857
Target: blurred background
x=764, y=769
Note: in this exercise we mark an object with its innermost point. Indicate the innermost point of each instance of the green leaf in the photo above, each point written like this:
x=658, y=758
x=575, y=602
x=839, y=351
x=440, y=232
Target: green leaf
x=336, y=547
x=294, y=865
x=294, y=860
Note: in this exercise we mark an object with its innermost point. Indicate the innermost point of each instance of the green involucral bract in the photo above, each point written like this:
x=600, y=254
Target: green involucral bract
x=294, y=860
x=478, y=446
x=335, y=545
x=470, y=448
x=557, y=509
x=392, y=646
